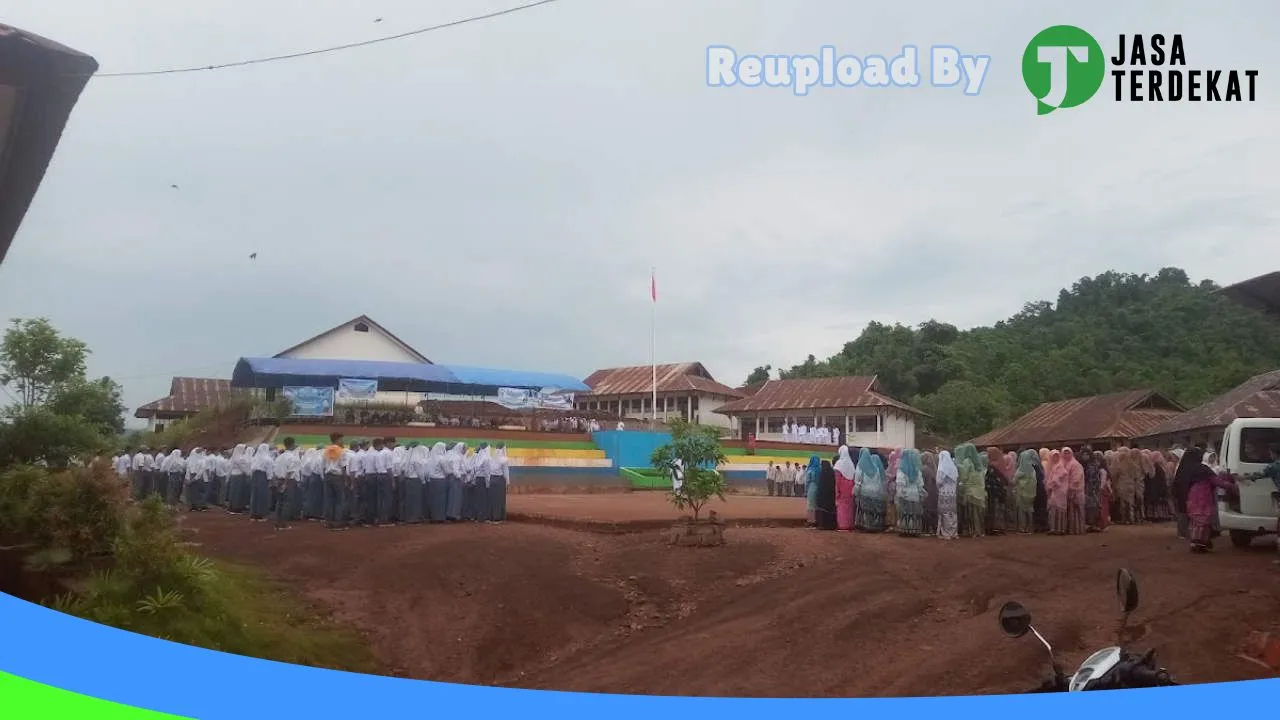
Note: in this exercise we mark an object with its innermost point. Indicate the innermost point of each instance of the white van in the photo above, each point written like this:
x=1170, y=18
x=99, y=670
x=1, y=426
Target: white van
x=1245, y=452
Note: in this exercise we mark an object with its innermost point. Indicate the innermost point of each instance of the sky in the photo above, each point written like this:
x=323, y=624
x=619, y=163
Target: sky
x=496, y=193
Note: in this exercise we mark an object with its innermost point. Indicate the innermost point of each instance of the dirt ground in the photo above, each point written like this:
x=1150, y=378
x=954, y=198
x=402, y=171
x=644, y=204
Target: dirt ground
x=778, y=611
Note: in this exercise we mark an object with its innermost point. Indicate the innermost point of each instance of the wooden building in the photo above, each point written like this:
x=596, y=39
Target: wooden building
x=1102, y=422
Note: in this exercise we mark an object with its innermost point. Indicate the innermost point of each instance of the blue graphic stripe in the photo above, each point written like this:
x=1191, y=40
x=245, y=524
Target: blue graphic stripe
x=72, y=654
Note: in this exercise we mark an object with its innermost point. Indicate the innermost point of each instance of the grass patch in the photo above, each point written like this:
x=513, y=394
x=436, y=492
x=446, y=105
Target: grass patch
x=277, y=625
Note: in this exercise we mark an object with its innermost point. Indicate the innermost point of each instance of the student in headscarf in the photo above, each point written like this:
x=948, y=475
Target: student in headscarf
x=910, y=494
x=825, y=515
x=311, y=485
x=1124, y=483
x=286, y=475
x=480, y=470
x=1042, y=498
x=1055, y=485
x=174, y=468
x=811, y=479
x=413, y=469
x=437, y=484
x=260, y=483
x=872, y=489
x=997, y=487
x=194, y=486
x=1024, y=493
x=891, y=488
x=499, y=481
x=1198, y=482
x=241, y=469
x=456, y=468
x=972, y=490
x=1075, y=492
x=397, y=476
x=1093, y=473
x=213, y=479
x=948, y=497
x=929, y=473
x=1104, y=492
x=845, y=471
x=334, y=464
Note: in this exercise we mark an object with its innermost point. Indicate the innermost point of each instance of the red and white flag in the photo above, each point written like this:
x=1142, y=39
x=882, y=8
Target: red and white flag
x=653, y=285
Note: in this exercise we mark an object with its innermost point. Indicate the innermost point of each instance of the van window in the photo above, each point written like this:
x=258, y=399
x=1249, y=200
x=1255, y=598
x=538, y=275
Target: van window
x=1256, y=444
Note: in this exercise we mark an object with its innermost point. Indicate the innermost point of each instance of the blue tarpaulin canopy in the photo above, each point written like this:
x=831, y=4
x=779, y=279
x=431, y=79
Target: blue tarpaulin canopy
x=394, y=376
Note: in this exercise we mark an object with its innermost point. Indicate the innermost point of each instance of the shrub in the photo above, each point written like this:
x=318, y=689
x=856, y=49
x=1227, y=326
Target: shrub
x=77, y=512
x=698, y=449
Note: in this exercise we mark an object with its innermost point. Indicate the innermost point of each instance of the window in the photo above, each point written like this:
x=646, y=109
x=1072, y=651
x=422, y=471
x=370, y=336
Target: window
x=361, y=327
x=774, y=424
x=865, y=424
x=832, y=421
x=1256, y=444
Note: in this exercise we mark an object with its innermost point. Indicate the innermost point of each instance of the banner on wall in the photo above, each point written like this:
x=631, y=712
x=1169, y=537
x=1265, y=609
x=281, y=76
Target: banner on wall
x=357, y=389
x=545, y=399
x=310, y=401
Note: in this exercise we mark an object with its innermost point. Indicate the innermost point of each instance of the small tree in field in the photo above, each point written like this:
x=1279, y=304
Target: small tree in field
x=698, y=450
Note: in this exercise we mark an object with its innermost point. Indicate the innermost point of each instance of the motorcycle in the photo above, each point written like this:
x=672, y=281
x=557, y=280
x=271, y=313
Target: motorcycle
x=1111, y=668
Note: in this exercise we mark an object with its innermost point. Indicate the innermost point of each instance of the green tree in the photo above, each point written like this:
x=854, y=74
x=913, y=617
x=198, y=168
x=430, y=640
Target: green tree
x=759, y=375
x=35, y=359
x=37, y=434
x=1104, y=334
x=698, y=449
x=96, y=401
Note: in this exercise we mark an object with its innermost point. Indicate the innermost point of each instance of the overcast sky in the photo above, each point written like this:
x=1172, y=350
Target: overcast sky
x=496, y=193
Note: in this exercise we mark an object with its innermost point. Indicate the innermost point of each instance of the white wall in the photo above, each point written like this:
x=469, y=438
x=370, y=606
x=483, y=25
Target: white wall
x=707, y=415
x=896, y=431
x=347, y=344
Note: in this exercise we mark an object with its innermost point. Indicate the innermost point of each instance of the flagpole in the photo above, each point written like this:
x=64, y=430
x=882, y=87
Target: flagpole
x=653, y=340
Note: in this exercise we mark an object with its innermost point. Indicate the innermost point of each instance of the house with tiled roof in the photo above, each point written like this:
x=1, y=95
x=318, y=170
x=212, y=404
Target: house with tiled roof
x=685, y=390
x=1257, y=397
x=855, y=405
x=1102, y=422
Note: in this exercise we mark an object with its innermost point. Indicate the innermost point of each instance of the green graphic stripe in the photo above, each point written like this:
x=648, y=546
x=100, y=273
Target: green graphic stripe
x=21, y=699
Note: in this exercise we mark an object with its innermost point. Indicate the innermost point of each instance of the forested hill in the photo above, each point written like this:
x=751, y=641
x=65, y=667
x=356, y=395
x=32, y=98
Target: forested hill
x=1110, y=333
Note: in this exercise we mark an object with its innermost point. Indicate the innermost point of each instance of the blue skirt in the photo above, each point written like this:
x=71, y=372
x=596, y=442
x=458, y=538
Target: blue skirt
x=497, y=498
x=414, y=503
x=437, y=500
x=453, y=499
x=259, y=494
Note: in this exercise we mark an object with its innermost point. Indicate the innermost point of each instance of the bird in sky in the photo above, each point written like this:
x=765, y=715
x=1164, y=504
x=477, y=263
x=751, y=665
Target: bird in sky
x=175, y=187
x=377, y=20
x=253, y=256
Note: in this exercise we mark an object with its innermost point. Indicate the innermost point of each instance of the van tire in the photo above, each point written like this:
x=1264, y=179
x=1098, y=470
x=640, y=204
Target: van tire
x=1242, y=538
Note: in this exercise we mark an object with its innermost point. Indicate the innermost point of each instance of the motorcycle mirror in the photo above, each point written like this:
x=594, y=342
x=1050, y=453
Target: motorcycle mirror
x=1126, y=591
x=1015, y=620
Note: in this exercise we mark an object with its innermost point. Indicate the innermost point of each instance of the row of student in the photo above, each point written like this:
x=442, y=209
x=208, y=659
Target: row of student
x=788, y=481
x=372, y=483
x=818, y=435
x=975, y=494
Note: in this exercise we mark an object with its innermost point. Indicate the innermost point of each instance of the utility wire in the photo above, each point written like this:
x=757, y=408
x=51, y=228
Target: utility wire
x=335, y=48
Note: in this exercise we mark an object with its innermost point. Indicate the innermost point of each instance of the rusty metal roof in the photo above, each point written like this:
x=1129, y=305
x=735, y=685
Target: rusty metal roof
x=1261, y=293
x=1259, y=396
x=1099, y=417
x=188, y=396
x=816, y=393
x=673, y=377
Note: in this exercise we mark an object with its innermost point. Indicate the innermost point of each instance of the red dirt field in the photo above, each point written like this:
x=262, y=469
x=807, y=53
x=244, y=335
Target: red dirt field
x=778, y=611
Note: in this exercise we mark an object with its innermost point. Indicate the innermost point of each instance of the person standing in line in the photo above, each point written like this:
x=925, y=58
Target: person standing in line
x=335, y=463
x=845, y=474
x=826, y=514
x=397, y=477
x=812, y=476
x=798, y=475
x=140, y=466
x=972, y=490
x=414, y=470
x=437, y=484
x=383, y=486
x=260, y=483
x=174, y=468
x=499, y=481
x=189, y=488
x=1092, y=490
x=929, y=473
x=456, y=467
x=996, y=485
x=1075, y=492
x=1055, y=485
x=479, y=467
x=241, y=470
x=910, y=492
x=771, y=478
x=1024, y=493
x=948, y=497
x=213, y=481
x=287, y=477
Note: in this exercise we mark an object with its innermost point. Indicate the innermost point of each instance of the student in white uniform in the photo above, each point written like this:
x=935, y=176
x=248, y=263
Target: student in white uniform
x=287, y=471
x=499, y=481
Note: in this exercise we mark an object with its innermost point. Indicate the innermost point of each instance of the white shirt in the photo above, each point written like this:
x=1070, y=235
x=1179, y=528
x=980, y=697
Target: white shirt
x=382, y=461
x=287, y=465
x=361, y=463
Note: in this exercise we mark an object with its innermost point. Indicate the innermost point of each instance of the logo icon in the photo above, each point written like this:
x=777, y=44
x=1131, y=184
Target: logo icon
x=1063, y=66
